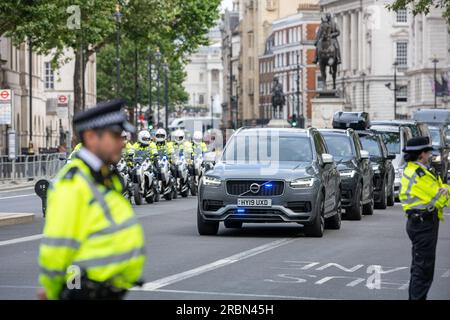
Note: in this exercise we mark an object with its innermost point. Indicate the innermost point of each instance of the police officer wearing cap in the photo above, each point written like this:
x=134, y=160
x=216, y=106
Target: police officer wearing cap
x=423, y=196
x=93, y=245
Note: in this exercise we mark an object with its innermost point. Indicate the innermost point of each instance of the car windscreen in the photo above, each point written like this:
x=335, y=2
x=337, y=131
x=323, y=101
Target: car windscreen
x=370, y=144
x=268, y=147
x=339, y=146
x=435, y=137
x=392, y=141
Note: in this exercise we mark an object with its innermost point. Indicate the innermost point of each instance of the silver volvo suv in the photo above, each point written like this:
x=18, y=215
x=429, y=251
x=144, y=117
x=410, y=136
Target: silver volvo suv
x=268, y=175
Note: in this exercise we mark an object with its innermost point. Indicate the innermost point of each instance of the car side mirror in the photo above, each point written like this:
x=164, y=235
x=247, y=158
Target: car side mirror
x=364, y=154
x=391, y=156
x=327, y=158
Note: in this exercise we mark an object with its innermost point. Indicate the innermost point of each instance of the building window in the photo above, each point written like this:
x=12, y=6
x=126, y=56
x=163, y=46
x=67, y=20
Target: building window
x=49, y=77
x=201, y=99
x=402, y=16
x=215, y=75
x=402, y=94
x=418, y=90
x=402, y=53
x=250, y=40
x=250, y=63
x=200, y=76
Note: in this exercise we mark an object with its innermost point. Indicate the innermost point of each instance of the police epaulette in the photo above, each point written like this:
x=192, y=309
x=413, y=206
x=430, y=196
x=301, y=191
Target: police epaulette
x=420, y=172
x=70, y=173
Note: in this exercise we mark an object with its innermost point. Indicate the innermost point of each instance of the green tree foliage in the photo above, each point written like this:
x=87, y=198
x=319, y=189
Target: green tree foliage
x=423, y=6
x=177, y=27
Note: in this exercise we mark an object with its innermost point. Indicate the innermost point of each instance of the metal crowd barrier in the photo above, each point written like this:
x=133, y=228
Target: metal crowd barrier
x=34, y=167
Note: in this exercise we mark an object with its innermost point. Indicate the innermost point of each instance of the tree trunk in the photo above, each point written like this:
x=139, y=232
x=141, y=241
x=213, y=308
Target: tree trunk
x=78, y=83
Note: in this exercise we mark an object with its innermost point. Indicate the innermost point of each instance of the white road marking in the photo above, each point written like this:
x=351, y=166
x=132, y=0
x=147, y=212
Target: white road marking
x=19, y=196
x=19, y=240
x=153, y=285
x=446, y=274
x=238, y=294
x=16, y=190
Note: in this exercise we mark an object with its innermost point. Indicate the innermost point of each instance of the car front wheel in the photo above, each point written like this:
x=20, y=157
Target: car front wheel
x=318, y=225
x=206, y=228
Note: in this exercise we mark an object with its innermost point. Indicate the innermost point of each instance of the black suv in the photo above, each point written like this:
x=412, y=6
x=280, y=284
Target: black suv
x=383, y=169
x=355, y=170
x=271, y=175
x=440, y=151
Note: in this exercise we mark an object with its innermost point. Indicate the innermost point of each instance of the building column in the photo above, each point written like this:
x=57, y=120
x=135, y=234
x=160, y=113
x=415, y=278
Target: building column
x=361, y=31
x=354, y=40
x=209, y=87
x=345, y=41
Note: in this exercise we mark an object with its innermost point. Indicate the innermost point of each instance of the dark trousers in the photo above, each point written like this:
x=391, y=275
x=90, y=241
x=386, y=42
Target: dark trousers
x=423, y=235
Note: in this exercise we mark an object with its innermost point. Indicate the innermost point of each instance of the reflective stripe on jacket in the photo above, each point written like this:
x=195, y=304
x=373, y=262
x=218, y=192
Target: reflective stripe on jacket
x=420, y=190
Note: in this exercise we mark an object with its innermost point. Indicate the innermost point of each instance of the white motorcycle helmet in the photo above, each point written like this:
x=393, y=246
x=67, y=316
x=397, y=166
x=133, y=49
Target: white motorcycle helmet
x=144, y=137
x=178, y=136
x=160, y=135
x=197, y=137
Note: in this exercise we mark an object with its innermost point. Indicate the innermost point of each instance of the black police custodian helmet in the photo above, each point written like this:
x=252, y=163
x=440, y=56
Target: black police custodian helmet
x=418, y=145
x=106, y=114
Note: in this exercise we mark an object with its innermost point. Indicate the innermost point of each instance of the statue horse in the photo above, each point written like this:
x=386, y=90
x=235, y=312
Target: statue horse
x=328, y=57
x=278, y=101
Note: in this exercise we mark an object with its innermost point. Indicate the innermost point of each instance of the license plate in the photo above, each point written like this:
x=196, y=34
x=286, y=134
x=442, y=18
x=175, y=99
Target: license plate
x=254, y=202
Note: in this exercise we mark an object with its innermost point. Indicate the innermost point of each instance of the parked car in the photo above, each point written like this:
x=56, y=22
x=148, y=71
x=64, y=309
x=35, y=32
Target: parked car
x=272, y=175
x=395, y=138
x=437, y=118
x=383, y=169
x=440, y=152
x=355, y=170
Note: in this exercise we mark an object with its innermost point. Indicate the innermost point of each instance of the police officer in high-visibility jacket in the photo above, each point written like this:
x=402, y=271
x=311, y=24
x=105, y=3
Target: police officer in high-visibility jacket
x=93, y=245
x=423, y=196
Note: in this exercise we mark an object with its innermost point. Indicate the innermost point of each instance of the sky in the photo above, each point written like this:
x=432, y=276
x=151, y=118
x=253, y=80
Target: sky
x=226, y=4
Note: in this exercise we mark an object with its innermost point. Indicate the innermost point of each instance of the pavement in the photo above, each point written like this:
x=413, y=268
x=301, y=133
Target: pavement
x=367, y=259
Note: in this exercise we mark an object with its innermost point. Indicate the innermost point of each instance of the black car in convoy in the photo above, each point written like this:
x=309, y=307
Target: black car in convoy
x=355, y=169
x=271, y=175
x=440, y=151
x=383, y=169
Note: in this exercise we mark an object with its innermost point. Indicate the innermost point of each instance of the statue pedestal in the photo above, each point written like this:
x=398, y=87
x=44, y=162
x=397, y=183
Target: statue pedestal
x=278, y=123
x=323, y=108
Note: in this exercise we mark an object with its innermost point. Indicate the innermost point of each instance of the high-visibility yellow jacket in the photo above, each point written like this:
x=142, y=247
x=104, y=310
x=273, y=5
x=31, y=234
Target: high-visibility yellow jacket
x=74, y=151
x=420, y=190
x=165, y=148
x=199, y=148
x=92, y=227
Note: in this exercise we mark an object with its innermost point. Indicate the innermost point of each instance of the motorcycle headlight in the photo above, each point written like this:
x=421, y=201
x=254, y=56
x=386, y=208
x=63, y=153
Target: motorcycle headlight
x=347, y=173
x=302, y=183
x=211, y=181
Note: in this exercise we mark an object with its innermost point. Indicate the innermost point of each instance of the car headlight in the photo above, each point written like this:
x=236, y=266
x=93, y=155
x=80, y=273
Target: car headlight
x=302, y=183
x=376, y=168
x=211, y=181
x=347, y=173
x=399, y=173
x=437, y=158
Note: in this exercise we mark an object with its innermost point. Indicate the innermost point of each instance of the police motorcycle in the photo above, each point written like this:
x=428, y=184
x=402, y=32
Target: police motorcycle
x=198, y=169
x=125, y=176
x=166, y=180
x=183, y=181
x=147, y=184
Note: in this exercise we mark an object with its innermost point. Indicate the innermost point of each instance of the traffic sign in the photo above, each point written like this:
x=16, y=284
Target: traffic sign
x=63, y=106
x=6, y=105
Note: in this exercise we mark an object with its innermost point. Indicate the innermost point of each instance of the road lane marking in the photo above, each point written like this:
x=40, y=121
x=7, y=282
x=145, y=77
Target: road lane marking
x=19, y=196
x=19, y=240
x=40, y=236
x=163, y=282
x=16, y=190
x=239, y=294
